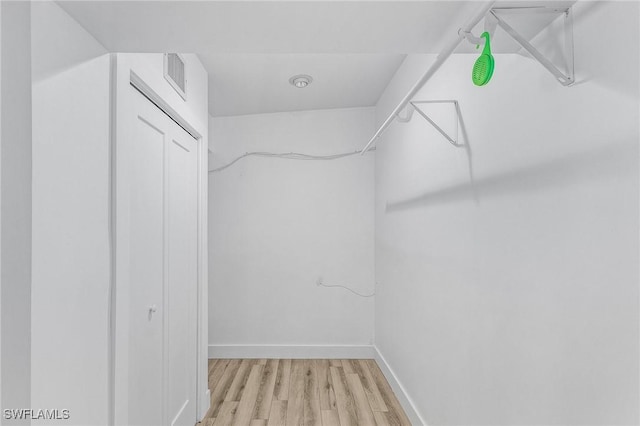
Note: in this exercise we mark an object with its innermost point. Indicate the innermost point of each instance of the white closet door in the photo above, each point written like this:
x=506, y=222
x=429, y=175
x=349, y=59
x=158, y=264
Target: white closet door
x=146, y=281
x=183, y=280
x=162, y=164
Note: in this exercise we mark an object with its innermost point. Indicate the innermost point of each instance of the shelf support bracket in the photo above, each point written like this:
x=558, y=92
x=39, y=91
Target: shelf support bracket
x=408, y=114
x=414, y=107
x=565, y=78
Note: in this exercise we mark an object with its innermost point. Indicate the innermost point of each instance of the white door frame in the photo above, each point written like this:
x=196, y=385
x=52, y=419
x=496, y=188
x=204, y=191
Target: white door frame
x=122, y=113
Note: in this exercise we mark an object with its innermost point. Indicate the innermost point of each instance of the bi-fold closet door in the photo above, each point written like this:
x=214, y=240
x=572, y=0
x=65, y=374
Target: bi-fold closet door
x=162, y=224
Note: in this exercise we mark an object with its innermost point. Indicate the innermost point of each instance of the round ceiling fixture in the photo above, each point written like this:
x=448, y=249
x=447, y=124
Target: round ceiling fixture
x=301, y=81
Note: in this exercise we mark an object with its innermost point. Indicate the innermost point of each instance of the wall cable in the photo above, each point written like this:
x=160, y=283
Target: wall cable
x=319, y=283
x=287, y=156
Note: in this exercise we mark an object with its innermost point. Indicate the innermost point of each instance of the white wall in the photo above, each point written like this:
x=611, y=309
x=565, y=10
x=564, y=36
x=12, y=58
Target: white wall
x=512, y=297
x=15, y=201
x=1, y=117
x=277, y=225
x=70, y=218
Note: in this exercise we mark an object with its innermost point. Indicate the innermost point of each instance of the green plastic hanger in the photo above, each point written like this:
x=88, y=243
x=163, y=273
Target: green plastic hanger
x=483, y=68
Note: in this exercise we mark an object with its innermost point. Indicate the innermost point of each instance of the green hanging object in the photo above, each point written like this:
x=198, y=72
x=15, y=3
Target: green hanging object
x=483, y=68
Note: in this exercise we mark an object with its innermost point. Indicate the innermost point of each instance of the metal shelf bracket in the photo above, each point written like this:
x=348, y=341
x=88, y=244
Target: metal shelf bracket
x=414, y=106
x=566, y=78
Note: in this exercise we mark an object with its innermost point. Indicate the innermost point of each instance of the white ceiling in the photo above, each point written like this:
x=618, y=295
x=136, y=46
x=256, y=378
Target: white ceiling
x=255, y=83
x=251, y=48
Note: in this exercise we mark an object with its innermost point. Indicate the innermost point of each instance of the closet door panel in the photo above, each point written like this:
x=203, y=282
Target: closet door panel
x=182, y=283
x=160, y=206
x=146, y=281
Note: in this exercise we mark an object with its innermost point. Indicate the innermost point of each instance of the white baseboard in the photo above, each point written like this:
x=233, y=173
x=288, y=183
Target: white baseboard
x=404, y=399
x=292, y=352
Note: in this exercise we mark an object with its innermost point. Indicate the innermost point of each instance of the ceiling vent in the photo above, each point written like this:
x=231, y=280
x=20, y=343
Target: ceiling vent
x=174, y=73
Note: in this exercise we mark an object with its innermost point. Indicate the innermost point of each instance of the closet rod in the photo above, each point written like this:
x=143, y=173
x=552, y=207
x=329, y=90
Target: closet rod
x=443, y=56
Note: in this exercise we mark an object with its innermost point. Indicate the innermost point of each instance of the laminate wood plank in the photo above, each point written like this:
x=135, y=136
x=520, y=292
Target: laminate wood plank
x=369, y=385
x=258, y=422
x=348, y=366
x=207, y=421
x=325, y=386
x=210, y=364
x=262, y=361
x=283, y=378
x=381, y=418
x=237, y=386
x=335, y=363
x=265, y=394
x=220, y=390
x=330, y=418
x=226, y=414
x=215, y=374
x=295, y=407
x=278, y=414
x=363, y=409
x=344, y=400
x=247, y=403
x=395, y=415
x=312, y=416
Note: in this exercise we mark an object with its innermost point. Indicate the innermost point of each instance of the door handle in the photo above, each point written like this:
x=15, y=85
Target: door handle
x=152, y=310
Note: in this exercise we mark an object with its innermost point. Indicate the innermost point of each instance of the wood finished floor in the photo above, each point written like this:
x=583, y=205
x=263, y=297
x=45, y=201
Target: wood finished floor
x=285, y=392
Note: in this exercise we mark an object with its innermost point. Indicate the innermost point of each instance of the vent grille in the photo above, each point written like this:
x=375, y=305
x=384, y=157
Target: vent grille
x=174, y=73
